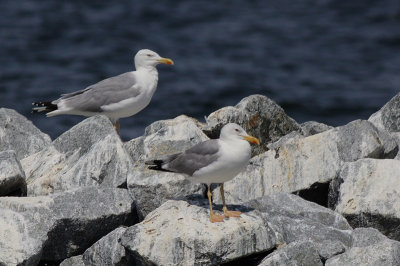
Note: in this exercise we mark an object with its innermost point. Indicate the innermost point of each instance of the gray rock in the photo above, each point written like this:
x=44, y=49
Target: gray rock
x=61, y=225
x=369, y=248
x=180, y=233
x=107, y=251
x=151, y=188
x=294, y=219
x=12, y=177
x=369, y=195
x=258, y=115
x=312, y=127
x=296, y=165
x=89, y=154
x=388, y=116
x=361, y=139
x=295, y=253
x=19, y=134
x=73, y=261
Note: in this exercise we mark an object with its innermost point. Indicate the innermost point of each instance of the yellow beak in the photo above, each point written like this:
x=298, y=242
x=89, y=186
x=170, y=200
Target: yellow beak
x=166, y=61
x=251, y=139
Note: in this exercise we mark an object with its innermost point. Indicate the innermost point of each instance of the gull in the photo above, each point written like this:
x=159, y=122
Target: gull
x=116, y=97
x=212, y=161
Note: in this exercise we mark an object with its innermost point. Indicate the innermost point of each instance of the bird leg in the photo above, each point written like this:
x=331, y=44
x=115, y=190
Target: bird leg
x=117, y=127
x=213, y=217
x=224, y=208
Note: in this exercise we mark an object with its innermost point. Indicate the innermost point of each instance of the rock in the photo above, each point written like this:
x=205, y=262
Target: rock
x=19, y=134
x=12, y=177
x=258, y=115
x=19, y=242
x=295, y=253
x=296, y=165
x=369, y=195
x=180, y=233
x=61, y=225
x=294, y=219
x=89, y=154
x=361, y=139
x=388, y=116
x=73, y=261
x=151, y=188
x=369, y=248
x=107, y=251
x=312, y=127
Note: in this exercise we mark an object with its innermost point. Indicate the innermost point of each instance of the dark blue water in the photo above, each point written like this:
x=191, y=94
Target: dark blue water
x=329, y=61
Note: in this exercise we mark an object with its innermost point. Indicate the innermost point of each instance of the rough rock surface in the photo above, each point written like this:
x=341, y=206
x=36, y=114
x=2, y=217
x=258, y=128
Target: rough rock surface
x=312, y=127
x=61, y=225
x=107, y=251
x=258, y=115
x=369, y=195
x=369, y=248
x=293, y=219
x=151, y=188
x=182, y=230
x=295, y=253
x=19, y=134
x=12, y=176
x=73, y=261
x=91, y=153
x=388, y=117
x=361, y=139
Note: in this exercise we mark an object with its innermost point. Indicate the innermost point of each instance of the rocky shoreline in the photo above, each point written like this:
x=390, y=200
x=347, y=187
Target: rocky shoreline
x=311, y=195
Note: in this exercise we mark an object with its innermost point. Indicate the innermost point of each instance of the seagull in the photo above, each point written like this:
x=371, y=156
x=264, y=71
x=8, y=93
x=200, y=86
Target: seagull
x=116, y=97
x=212, y=161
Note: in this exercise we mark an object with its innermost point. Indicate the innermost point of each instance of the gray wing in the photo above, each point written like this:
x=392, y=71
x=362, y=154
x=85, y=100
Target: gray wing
x=193, y=159
x=108, y=91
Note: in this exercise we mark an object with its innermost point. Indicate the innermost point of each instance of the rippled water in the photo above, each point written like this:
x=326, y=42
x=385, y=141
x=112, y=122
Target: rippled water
x=329, y=61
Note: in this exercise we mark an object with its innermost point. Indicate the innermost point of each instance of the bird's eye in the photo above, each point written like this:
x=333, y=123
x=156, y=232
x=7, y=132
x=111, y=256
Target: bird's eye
x=149, y=55
x=237, y=130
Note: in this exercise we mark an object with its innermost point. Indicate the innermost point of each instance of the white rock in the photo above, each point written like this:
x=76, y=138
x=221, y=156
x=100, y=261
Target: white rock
x=369, y=195
x=180, y=233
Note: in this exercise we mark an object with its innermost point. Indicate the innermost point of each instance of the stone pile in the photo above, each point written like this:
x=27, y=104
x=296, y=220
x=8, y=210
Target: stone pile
x=312, y=194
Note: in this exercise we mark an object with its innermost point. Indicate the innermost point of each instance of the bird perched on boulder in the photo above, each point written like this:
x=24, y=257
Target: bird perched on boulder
x=212, y=161
x=116, y=97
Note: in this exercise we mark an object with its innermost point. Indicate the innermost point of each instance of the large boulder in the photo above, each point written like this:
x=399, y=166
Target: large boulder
x=151, y=188
x=89, y=154
x=180, y=233
x=369, y=248
x=12, y=176
x=258, y=115
x=19, y=134
x=294, y=219
x=61, y=225
x=368, y=195
x=388, y=117
x=107, y=251
x=299, y=163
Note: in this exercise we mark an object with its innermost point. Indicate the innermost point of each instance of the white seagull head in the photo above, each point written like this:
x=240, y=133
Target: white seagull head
x=148, y=58
x=233, y=131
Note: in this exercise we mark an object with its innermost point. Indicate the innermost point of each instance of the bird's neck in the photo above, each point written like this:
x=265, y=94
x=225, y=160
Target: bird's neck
x=149, y=75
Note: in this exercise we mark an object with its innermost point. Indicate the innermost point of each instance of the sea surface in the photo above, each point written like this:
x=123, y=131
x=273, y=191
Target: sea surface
x=322, y=60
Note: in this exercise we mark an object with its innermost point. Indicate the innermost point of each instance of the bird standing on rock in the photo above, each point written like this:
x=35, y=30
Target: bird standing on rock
x=212, y=161
x=116, y=97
